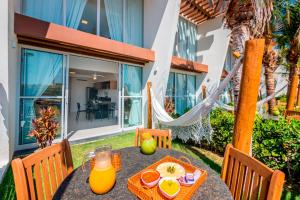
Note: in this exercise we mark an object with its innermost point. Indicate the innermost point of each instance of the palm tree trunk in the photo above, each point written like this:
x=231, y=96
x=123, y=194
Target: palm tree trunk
x=298, y=95
x=236, y=85
x=270, y=86
x=293, y=89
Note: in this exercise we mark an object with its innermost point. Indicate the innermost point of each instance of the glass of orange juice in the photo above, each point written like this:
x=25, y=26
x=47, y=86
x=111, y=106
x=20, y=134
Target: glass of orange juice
x=103, y=175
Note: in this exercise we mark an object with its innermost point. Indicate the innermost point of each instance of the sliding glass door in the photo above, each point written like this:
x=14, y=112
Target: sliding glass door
x=131, y=95
x=42, y=85
x=181, y=92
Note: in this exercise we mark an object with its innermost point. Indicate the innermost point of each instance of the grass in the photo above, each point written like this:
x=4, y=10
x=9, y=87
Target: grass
x=7, y=189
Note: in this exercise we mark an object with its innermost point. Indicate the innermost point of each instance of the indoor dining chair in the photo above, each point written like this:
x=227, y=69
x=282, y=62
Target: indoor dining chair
x=163, y=137
x=38, y=175
x=248, y=178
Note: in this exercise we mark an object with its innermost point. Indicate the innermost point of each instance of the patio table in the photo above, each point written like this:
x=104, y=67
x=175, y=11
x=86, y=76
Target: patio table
x=76, y=185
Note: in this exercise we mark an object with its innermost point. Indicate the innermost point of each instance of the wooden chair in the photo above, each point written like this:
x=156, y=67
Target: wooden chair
x=291, y=114
x=38, y=175
x=163, y=137
x=248, y=178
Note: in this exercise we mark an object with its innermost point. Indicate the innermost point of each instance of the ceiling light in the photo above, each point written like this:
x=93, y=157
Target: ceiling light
x=95, y=76
x=72, y=72
x=84, y=21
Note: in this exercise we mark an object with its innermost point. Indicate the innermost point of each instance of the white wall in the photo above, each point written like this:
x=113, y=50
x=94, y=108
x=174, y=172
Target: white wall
x=212, y=48
x=77, y=92
x=8, y=83
x=4, y=86
x=160, y=25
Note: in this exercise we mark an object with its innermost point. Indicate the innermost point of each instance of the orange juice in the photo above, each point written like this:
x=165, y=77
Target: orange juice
x=102, y=179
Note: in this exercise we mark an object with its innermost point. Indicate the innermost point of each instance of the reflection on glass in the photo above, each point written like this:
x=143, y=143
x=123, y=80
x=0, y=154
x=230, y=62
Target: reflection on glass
x=132, y=80
x=132, y=111
x=180, y=104
x=42, y=73
x=182, y=88
x=29, y=110
x=171, y=87
x=88, y=20
x=46, y=10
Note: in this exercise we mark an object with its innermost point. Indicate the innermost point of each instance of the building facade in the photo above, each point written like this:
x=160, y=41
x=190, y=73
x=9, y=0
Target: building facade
x=91, y=60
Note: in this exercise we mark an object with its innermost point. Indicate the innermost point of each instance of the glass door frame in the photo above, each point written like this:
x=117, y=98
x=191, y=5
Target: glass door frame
x=65, y=93
x=19, y=146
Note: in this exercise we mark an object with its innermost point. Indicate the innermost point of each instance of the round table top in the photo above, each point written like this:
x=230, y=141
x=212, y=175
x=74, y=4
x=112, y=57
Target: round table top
x=76, y=185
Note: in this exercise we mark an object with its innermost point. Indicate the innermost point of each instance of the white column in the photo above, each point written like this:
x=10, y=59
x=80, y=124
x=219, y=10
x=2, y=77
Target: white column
x=4, y=87
x=160, y=25
x=212, y=48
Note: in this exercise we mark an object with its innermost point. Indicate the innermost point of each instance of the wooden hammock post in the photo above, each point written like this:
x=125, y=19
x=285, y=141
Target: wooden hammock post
x=149, y=124
x=298, y=95
x=293, y=92
x=246, y=108
x=203, y=91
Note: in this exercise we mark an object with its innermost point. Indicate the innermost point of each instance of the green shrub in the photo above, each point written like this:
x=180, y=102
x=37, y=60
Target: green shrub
x=222, y=123
x=282, y=98
x=275, y=143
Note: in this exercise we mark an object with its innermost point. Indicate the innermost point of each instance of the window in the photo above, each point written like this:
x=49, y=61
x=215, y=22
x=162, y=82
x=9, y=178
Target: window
x=41, y=86
x=46, y=10
x=186, y=40
x=82, y=15
x=132, y=95
x=181, y=91
x=120, y=20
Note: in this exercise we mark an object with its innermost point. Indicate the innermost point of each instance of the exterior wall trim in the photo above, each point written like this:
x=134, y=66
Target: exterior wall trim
x=35, y=32
x=186, y=65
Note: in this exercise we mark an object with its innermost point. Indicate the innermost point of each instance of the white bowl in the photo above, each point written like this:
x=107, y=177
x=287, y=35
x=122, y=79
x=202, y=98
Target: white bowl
x=168, y=196
x=153, y=183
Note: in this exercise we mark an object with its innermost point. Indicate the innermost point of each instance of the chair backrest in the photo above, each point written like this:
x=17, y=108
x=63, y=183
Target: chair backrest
x=248, y=178
x=163, y=137
x=292, y=114
x=38, y=175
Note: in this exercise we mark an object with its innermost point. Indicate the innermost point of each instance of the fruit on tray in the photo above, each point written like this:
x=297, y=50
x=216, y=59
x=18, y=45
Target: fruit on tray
x=170, y=169
x=150, y=178
x=169, y=187
x=148, y=145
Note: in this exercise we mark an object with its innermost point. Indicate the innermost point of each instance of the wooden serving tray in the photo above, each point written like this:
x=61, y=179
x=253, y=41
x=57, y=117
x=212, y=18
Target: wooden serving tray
x=186, y=192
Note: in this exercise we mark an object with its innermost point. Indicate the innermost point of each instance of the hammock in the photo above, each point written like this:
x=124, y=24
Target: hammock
x=201, y=109
x=259, y=104
x=195, y=124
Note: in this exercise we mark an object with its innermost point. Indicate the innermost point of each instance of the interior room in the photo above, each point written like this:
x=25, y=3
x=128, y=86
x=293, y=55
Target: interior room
x=93, y=98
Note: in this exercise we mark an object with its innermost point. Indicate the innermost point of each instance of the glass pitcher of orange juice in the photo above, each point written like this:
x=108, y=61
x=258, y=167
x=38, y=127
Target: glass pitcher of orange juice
x=103, y=174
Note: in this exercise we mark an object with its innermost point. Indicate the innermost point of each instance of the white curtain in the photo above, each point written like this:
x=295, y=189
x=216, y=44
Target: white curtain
x=46, y=10
x=191, y=91
x=39, y=71
x=192, y=42
x=114, y=12
x=134, y=22
x=75, y=10
x=180, y=93
x=182, y=38
x=133, y=89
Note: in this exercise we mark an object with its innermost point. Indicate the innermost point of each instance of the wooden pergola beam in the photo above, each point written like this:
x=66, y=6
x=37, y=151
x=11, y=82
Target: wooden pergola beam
x=246, y=108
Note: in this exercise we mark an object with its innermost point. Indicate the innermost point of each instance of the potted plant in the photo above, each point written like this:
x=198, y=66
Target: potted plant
x=45, y=127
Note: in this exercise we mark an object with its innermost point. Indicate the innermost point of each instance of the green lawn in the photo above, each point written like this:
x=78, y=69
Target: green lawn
x=7, y=190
